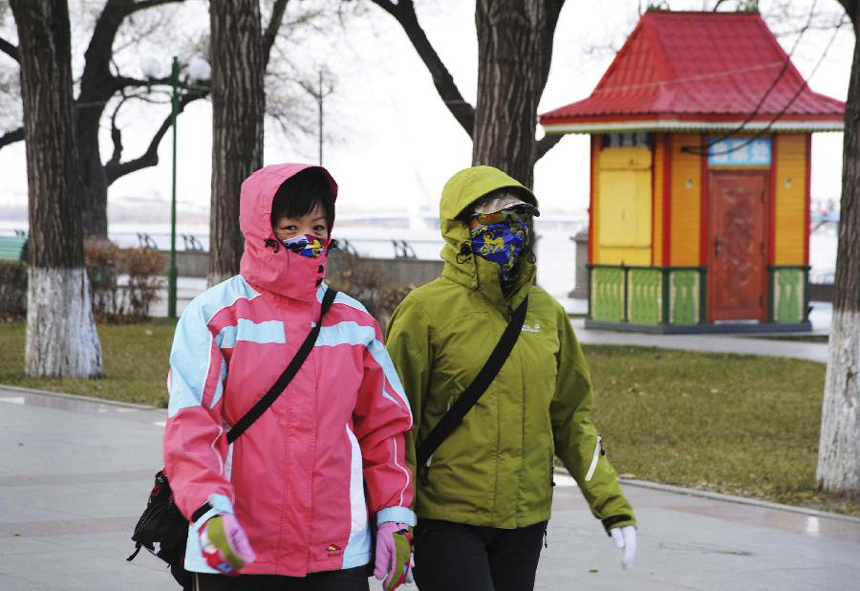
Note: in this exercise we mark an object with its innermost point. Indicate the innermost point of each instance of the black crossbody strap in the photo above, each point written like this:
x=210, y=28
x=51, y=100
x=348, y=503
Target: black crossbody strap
x=289, y=373
x=478, y=386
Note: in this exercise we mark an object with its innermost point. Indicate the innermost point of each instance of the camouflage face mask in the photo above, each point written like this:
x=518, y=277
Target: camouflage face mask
x=304, y=244
x=502, y=243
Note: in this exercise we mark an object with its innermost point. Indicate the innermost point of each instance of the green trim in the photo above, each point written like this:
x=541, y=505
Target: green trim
x=608, y=293
x=685, y=293
x=788, y=288
x=664, y=278
x=625, y=304
x=770, y=294
x=645, y=295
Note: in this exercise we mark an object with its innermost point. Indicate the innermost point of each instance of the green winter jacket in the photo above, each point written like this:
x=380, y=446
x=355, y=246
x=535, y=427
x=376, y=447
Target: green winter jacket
x=496, y=468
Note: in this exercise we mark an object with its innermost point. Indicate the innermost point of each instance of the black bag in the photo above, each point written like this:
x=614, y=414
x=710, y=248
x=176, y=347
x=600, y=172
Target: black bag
x=162, y=529
x=472, y=393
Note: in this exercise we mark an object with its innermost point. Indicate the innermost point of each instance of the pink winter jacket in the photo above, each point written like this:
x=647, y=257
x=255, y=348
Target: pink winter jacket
x=297, y=478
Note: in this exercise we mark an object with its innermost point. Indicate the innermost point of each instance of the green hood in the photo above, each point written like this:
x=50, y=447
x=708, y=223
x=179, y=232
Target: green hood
x=463, y=189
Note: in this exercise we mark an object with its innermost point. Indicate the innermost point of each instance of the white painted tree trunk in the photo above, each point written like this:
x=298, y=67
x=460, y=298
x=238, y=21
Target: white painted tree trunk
x=839, y=447
x=61, y=336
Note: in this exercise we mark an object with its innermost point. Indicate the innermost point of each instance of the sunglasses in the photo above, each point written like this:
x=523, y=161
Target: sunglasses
x=515, y=214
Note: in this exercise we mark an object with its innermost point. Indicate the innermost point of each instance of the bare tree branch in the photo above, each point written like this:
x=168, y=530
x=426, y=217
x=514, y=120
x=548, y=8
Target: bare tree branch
x=116, y=136
x=404, y=12
x=144, y=4
x=278, y=10
x=115, y=170
x=129, y=82
x=547, y=143
x=10, y=137
x=9, y=49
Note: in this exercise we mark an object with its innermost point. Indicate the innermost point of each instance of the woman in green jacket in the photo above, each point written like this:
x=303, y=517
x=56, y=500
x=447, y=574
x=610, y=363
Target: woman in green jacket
x=483, y=498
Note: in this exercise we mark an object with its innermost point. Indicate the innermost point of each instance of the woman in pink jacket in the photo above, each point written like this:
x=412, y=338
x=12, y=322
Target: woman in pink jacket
x=288, y=504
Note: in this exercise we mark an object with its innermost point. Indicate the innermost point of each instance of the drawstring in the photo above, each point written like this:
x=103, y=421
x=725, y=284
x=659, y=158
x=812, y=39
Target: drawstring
x=465, y=252
x=272, y=243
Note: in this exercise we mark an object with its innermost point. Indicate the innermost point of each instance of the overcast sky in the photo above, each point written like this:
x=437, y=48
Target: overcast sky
x=396, y=144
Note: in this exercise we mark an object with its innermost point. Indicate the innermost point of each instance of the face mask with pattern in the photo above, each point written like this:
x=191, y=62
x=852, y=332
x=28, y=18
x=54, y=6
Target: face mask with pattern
x=304, y=244
x=502, y=243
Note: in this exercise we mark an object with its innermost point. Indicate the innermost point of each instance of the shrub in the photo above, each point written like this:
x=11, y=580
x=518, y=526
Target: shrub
x=124, y=281
x=368, y=281
x=13, y=290
x=145, y=269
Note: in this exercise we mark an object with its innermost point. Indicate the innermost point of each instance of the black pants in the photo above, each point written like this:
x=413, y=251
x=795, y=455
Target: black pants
x=351, y=579
x=455, y=556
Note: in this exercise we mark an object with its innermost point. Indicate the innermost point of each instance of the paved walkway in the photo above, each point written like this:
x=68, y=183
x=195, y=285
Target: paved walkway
x=75, y=474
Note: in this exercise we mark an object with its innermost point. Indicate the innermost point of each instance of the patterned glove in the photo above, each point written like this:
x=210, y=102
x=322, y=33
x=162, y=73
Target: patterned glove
x=393, y=555
x=225, y=545
x=625, y=539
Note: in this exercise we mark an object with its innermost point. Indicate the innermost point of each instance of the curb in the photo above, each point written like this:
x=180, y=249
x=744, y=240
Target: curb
x=736, y=499
x=92, y=399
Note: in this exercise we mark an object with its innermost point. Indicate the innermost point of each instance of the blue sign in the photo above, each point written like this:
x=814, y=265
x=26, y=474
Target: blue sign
x=740, y=151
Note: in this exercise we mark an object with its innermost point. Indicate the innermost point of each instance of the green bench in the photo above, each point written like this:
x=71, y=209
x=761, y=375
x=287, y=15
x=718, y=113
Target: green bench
x=12, y=248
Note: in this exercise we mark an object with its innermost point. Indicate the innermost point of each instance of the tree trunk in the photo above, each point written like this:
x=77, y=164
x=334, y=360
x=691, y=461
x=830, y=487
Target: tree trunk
x=514, y=51
x=61, y=334
x=839, y=446
x=94, y=184
x=238, y=106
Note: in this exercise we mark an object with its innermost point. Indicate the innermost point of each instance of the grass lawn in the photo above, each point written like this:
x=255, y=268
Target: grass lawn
x=727, y=423
x=135, y=363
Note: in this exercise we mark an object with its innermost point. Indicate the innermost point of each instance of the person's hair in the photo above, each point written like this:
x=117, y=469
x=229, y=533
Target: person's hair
x=300, y=193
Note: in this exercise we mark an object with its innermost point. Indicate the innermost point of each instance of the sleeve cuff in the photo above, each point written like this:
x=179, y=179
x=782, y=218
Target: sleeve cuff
x=216, y=504
x=617, y=521
x=397, y=514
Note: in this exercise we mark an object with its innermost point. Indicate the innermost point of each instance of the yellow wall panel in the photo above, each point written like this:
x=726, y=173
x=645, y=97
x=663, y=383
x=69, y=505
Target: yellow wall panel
x=657, y=209
x=629, y=256
x=624, y=194
x=790, y=199
x=685, y=202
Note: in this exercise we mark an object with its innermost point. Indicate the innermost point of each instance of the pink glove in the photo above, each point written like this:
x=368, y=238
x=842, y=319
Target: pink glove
x=393, y=555
x=224, y=545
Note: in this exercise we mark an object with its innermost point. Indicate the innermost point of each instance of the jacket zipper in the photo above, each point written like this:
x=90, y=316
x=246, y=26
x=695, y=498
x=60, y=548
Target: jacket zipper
x=594, y=459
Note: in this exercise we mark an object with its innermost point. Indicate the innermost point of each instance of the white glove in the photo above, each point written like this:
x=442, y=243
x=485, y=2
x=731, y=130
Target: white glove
x=625, y=539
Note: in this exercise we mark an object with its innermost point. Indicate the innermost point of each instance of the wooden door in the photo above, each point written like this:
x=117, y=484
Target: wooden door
x=737, y=251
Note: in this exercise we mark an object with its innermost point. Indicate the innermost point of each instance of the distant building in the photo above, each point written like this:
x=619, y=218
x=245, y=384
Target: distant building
x=700, y=166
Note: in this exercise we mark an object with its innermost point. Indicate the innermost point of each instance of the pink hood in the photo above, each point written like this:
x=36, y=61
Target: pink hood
x=274, y=268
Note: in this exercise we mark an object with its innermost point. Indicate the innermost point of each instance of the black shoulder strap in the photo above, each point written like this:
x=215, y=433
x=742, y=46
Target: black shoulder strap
x=289, y=373
x=478, y=386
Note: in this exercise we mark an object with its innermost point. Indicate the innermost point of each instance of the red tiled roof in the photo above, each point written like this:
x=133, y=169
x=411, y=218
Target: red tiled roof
x=699, y=66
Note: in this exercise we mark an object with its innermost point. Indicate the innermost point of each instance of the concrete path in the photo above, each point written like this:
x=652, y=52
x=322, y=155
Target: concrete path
x=75, y=474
